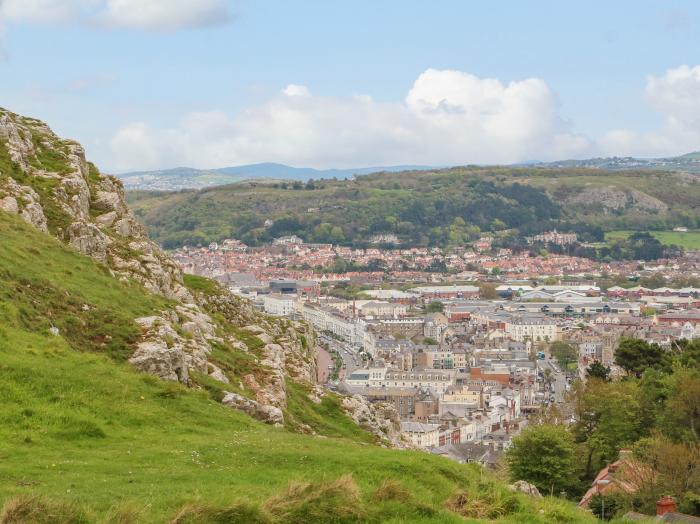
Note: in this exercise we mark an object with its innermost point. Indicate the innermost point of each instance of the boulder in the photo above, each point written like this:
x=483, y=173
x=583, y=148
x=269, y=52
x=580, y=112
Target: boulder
x=264, y=413
x=522, y=486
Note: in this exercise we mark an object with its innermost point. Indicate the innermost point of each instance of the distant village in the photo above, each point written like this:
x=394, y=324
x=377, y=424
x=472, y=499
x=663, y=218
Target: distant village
x=465, y=353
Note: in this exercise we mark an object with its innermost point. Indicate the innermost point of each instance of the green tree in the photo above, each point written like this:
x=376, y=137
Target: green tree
x=598, y=370
x=563, y=352
x=607, y=506
x=681, y=413
x=487, y=291
x=689, y=353
x=435, y=307
x=608, y=417
x=635, y=355
x=544, y=456
x=336, y=235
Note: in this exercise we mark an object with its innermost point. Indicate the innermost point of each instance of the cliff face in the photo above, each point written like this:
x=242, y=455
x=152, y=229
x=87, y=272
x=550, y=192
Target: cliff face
x=205, y=337
x=49, y=183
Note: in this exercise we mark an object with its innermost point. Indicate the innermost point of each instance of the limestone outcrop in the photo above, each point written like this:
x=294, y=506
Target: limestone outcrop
x=264, y=412
x=48, y=182
x=380, y=418
x=522, y=486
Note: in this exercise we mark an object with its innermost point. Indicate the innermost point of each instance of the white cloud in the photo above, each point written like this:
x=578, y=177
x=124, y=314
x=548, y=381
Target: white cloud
x=296, y=90
x=158, y=15
x=43, y=11
x=675, y=96
x=165, y=15
x=448, y=117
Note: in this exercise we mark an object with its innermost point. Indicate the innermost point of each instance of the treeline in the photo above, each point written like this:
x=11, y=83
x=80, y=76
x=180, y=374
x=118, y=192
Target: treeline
x=441, y=216
x=654, y=411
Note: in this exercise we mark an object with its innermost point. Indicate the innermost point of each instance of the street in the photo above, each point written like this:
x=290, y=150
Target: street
x=558, y=386
x=351, y=359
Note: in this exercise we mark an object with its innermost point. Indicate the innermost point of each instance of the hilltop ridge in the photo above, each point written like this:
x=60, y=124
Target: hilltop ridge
x=439, y=207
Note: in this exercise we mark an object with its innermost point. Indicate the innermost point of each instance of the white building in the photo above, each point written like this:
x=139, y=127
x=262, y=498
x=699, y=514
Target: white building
x=534, y=329
x=279, y=305
x=435, y=380
x=331, y=320
x=421, y=435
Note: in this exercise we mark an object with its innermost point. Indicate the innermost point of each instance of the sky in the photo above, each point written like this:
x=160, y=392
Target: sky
x=154, y=84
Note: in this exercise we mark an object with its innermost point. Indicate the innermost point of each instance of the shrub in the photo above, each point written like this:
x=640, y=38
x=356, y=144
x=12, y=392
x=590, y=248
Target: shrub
x=605, y=507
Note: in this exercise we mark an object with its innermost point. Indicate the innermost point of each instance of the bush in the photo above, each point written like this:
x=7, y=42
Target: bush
x=605, y=507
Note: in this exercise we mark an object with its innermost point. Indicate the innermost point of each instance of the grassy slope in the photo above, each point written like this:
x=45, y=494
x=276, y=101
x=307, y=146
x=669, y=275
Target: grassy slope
x=85, y=428
x=688, y=240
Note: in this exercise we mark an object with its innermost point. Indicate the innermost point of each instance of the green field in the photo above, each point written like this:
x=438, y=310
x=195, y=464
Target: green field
x=86, y=438
x=689, y=240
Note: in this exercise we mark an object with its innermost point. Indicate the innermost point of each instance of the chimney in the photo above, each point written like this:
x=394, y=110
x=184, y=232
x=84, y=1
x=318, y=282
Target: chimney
x=665, y=505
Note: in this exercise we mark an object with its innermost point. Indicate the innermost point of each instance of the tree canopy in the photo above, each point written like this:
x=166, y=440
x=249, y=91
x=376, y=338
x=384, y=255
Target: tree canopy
x=636, y=355
x=544, y=456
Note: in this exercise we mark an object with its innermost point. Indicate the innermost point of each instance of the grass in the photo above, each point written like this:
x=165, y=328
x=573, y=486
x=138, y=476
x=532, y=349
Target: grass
x=325, y=418
x=44, y=284
x=200, y=284
x=687, y=240
x=86, y=438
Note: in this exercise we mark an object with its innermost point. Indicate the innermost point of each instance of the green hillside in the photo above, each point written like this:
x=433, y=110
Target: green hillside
x=85, y=438
x=442, y=207
x=686, y=240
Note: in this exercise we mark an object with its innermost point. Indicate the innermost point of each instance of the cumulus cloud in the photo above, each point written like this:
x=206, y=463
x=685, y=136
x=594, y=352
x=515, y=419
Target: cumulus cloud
x=43, y=11
x=447, y=117
x=674, y=95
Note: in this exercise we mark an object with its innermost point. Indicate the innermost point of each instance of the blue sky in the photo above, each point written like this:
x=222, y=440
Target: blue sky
x=159, y=83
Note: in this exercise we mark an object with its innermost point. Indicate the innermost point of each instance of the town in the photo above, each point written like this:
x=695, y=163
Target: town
x=467, y=345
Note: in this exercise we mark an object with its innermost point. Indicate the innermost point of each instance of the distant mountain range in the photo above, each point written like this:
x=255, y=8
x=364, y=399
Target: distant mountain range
x=191, y=178
x=689, y=162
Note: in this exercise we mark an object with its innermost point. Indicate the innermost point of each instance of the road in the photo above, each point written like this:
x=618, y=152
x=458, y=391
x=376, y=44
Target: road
x=559, y=379
x=351, y=359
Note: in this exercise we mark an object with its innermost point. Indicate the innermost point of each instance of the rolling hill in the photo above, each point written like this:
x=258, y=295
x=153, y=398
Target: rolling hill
x=431, y=207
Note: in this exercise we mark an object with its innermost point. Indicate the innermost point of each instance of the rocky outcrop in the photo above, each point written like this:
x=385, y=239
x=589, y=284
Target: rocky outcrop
x=611, y=198
x=264, y=412
x=522, y=486
x=23, y=201
x=380, y=418
x=287, y=347
x=88, y=210
x=281, y=348
x=176, y=344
